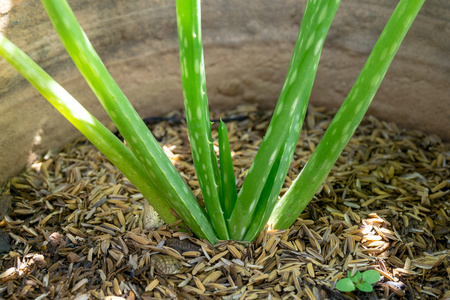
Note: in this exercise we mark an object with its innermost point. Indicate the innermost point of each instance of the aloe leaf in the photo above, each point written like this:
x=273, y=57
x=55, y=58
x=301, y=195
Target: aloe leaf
x=347, y=118
x=140, y=140
x=227, y=179
x=277, y=177
x=296, y=91
x=197, y=113
x=269, y=189
x=88, y=125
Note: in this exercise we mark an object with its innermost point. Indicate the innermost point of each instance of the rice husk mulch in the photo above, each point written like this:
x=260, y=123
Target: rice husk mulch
x=73, y=227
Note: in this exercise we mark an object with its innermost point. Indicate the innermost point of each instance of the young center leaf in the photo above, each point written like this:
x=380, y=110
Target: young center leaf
x=228, y=190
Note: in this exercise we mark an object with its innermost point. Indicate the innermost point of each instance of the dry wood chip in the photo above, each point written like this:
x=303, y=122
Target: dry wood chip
x=139, y=239
x=218, y=256
x=199, y=284
x=79, y=284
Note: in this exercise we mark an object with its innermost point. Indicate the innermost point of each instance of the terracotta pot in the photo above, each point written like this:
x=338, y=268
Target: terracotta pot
x=247, y=50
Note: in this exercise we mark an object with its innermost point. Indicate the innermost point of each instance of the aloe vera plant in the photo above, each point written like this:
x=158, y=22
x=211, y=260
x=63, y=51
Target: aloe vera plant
x=239, y=216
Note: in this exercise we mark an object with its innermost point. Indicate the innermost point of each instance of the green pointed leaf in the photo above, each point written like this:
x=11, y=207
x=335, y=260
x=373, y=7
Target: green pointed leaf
x=258, y=223
x=277, y=176
x=228, y=181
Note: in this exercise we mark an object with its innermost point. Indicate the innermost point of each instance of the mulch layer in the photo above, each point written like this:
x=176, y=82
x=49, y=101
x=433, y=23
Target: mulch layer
x=73, y=227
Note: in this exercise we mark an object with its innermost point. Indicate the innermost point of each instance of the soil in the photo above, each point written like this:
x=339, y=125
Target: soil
x=75, y=228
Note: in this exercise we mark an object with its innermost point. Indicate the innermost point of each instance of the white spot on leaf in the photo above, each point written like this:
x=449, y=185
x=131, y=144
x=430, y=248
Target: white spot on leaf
x=272, y=157
x=252, y=206
x=318, y=46
x=310, y=41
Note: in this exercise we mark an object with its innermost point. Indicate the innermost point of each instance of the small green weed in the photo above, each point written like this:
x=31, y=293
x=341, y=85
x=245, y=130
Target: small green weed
x=362, y=281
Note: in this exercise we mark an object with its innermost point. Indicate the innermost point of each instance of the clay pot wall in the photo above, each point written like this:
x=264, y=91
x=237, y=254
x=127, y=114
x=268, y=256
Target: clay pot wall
x=247, y=50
